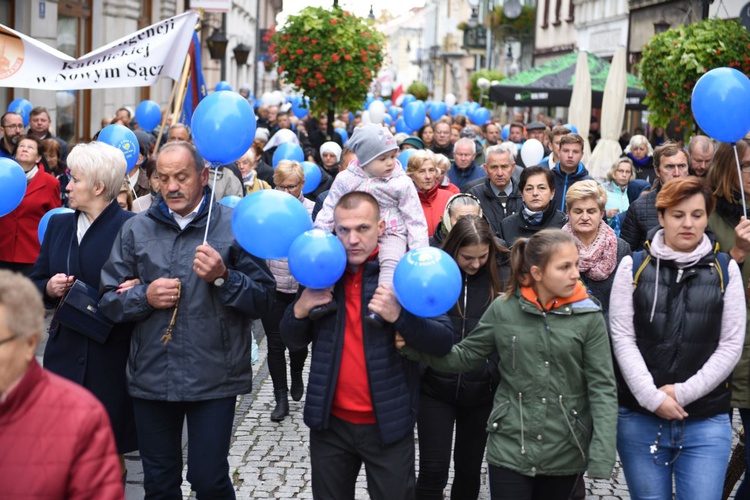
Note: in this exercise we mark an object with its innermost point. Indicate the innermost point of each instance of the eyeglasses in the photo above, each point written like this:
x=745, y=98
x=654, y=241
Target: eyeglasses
x=682, y=167
x=745, y=168
x=12, y=337
x=16, y=125
x=288, y=187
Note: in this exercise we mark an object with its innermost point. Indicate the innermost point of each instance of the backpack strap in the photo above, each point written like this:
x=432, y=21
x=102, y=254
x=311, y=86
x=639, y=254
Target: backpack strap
x=721, y=262
x=640, y=261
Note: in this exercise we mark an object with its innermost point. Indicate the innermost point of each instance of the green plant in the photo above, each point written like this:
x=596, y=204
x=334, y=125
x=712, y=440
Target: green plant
x=474, y=91
x=330, y=55
x=418, y=90
x=673, y=62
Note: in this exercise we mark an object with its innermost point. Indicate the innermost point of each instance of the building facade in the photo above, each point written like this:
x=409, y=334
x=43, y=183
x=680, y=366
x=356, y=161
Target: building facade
x=76, y=27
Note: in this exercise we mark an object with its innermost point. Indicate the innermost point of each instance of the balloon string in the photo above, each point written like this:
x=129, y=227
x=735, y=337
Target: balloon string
x=739, y=176
x=215, y=167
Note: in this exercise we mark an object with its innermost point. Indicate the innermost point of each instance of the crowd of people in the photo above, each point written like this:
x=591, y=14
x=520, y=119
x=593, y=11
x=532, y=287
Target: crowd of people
x=595, y=316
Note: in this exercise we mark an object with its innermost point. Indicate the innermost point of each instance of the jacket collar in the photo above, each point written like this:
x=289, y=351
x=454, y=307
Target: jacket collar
x=160, y=211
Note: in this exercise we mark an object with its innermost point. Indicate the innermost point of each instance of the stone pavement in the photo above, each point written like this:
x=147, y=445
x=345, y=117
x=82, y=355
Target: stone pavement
x=271, y=460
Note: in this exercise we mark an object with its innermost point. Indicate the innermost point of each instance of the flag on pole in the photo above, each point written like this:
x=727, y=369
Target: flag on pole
x=196, y=87
x=396, y=93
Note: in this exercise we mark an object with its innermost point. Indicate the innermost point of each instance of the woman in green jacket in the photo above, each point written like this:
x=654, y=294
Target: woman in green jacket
x=732, y=232
x=554, y=414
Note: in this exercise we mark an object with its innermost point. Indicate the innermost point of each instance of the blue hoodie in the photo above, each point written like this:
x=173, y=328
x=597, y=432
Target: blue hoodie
x=563, y=181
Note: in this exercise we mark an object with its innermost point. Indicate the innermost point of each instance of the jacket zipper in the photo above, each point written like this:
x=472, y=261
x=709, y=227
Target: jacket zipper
x=513, y=352
x=567, y=421
x=463, y=329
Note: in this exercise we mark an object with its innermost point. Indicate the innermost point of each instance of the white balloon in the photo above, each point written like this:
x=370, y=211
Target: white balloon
x=483, y=83
x=278, y=98
x=450, y=100
x=376, y=111
x=65, y=98
x=365, y=117
x=267, y=99
x=494, y=82
x=532, y=152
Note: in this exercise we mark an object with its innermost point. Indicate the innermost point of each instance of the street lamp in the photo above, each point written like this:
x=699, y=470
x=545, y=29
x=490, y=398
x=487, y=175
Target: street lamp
x=217, y=44
x=241, y=53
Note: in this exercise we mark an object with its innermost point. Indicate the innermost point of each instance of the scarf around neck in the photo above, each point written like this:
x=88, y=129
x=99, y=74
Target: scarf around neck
x=598, y=260
x=639, y=163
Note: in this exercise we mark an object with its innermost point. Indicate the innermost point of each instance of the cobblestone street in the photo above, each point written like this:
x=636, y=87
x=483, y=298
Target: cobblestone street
x=270, y=460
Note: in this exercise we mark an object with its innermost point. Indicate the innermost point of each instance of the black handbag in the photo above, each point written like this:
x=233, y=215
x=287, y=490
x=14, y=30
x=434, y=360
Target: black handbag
x=79, y=310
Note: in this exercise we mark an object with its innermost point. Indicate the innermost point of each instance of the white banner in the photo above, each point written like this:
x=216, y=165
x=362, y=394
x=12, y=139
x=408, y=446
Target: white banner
x=137, y=60
x=211, y=5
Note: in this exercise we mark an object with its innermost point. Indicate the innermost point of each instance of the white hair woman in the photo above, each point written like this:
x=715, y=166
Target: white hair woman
x=639, y=150
x=75, y=247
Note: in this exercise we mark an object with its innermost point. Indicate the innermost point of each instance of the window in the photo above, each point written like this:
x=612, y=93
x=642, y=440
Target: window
x=74, y=39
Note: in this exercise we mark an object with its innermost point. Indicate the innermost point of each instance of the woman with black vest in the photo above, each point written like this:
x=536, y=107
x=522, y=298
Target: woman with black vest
x=677, y=333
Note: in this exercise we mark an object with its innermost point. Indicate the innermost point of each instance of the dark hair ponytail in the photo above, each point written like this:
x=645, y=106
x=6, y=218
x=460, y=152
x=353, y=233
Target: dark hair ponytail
x=534, y=251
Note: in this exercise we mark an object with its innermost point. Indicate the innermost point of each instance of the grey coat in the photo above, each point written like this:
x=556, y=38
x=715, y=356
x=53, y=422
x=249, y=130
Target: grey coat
x=210, y=351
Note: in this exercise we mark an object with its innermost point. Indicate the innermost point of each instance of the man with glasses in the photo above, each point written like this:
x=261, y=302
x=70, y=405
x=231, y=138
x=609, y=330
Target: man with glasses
x=464, y=170
x=442, y=142
x=55, y=436
x=701, y=152
x=670, y=162
x=12, y=124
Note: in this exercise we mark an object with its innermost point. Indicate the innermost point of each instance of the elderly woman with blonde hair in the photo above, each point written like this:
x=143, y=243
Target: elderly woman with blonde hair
x=422, y=170
x=599, y=249
x=75, y=248
x=289, y=177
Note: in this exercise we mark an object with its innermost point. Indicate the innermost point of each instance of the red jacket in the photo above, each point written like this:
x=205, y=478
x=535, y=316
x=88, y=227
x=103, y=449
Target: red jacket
x=19, y=240
x=56, y=442
x=433, y=204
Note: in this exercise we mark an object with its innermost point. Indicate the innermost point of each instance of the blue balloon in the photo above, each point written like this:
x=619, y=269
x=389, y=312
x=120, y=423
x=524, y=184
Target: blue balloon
x=480, y=116
x=343, y=133
x=148, y=115
x=573, y=129
x=288, y=151
x=720, y=104
x=414, y=114
x=471, y=106
x=408, y=98
x=222, y=85
x=459, y=109
x=437, y=110
x=12, y=185
x=266, y=222
x=505, y=132
x=21, y=107
x=394, y=111
x=297, y=109
x=388, y=103
x=223, y=127
x=403, y=157
x=231, y=200
x=123, y=139
x=317, y=259
x=401, y=126
x=388, y=120
x=313, y=176
x=427, y=282
x=45, y=220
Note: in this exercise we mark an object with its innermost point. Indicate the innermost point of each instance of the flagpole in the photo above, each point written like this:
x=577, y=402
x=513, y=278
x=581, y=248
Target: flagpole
x=182, y=90
x=185, y=68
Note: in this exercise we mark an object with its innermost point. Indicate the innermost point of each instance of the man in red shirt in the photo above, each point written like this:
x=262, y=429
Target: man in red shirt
x=362, y=395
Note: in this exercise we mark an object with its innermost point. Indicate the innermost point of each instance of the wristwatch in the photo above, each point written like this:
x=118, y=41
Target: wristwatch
x=221, y=279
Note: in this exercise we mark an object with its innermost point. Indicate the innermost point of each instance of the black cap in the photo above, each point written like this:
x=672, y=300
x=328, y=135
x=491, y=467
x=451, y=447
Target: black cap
x=536, y=126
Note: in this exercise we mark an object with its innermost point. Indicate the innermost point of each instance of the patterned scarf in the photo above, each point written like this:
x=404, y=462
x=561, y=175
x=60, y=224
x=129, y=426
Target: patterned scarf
x=531, y=217
x=598, y=260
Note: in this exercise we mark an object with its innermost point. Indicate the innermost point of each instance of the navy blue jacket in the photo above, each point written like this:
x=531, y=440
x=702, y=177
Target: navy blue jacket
x=563, y=181
x=394, y=380
x=209, y=354
x=461, y=177
x=98, y=367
